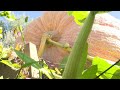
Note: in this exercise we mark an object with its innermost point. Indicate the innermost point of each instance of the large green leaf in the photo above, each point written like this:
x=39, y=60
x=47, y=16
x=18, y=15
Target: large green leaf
x=28, y=64
x=79, y=16
x=90, y=73
x=27, y=59
x=102, y=66
x=116, y=75
x=118, y=63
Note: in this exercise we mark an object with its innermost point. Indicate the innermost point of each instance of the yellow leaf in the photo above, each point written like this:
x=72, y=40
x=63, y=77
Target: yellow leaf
x=1, y=47
x=18, y=47
x=1, y=36
x=1, y=30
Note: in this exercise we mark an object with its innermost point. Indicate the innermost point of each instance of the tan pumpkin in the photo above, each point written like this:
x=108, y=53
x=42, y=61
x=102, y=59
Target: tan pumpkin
x=103, y=40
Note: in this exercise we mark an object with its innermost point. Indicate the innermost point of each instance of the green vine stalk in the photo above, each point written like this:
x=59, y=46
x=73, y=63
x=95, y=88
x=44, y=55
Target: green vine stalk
x=74, y=59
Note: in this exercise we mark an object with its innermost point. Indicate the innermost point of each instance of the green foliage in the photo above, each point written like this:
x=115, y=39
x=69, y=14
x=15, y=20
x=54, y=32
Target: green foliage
x=8, y=15
x=28, y=60
x=116, y=75
x=26, y=19
x=10, y=64
x=102, y=66
x=1, y=32
x=90, y=73
x=70, y=12
x=42, y=67
x=76, y=55
x=79, y=16
x=1, y=48
x=4, y=54
x=72, y=65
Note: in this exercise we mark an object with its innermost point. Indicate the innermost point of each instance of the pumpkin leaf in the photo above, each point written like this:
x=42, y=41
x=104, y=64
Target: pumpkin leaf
x=90, y=73
x=116, y=75
x=102, y=66
x=80, y=16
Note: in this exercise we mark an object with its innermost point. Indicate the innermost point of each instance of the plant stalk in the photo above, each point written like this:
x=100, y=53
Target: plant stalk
x=72, y=64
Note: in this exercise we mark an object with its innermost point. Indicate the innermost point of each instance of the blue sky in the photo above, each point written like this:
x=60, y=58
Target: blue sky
x=34, y=14
x=31, y=14
x=115, y=14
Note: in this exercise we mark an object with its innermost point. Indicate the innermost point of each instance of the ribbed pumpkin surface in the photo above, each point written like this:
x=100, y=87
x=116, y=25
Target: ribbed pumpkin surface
x=103, y=40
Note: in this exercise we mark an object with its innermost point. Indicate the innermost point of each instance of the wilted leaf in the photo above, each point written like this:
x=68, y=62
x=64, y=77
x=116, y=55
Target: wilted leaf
x=90, y=73
x=58, y=72
x=46, y=72
x=18, y=47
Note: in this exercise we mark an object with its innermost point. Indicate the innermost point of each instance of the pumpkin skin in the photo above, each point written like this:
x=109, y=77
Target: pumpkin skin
x=103, y=40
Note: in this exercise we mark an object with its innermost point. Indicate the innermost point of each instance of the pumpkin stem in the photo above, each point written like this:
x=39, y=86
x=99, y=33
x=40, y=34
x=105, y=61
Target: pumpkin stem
x=46, y=37
x=42, y=44
x=67, y=47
